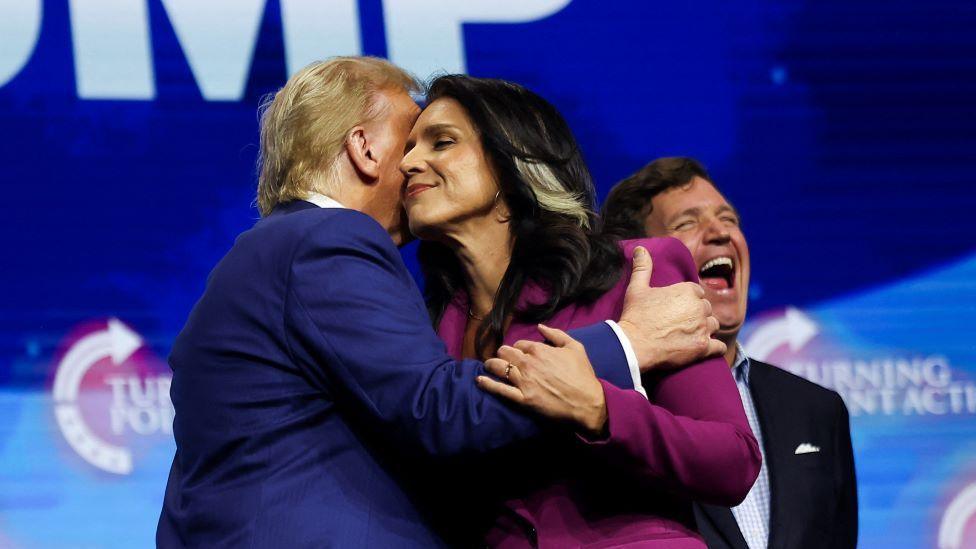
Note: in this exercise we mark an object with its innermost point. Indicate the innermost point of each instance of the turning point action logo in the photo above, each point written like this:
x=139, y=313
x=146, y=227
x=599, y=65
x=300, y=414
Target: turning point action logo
x=883, y=384
x=109, y=399
x=871, y=382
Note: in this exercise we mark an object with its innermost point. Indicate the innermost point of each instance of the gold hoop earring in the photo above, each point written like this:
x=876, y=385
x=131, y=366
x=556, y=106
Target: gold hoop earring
x=504, y=217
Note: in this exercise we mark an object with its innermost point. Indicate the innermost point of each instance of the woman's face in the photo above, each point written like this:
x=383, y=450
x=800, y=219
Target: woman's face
x=450, y=185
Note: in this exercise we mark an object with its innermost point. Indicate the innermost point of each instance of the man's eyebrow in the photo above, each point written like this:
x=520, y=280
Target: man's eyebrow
x=694, y=210
x=729, y=208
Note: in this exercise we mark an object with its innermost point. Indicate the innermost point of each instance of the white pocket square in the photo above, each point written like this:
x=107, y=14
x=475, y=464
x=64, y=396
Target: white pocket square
x=806, y=448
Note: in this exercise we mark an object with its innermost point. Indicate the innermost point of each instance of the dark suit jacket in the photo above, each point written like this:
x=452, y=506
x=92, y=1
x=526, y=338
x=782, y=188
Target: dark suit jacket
x=813, y=496
x=307, y=378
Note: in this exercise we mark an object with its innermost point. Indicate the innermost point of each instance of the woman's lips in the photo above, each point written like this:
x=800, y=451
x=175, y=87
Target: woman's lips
x=415, y=189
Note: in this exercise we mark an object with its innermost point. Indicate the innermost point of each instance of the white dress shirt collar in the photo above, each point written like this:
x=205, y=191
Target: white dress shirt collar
x=323, y=201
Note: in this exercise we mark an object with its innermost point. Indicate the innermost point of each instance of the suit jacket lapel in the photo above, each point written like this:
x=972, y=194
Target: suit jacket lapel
x=723, y=522
x=772, y=424
x=453, y=323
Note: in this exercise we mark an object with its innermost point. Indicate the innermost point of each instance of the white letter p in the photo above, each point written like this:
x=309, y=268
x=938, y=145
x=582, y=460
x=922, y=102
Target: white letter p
x=424, y=36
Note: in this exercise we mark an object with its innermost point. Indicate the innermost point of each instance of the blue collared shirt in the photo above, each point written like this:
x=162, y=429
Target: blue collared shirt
x=753, y=513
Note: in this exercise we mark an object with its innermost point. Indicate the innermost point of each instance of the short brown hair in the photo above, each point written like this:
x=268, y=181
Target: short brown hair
x=304, y=126
x=629, y=202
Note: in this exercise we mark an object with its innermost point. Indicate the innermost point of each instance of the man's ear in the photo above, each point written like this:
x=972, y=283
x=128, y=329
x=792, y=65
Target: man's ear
x=359, y=147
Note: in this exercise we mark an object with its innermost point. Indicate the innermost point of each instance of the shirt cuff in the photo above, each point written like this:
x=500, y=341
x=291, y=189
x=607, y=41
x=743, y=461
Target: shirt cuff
x=631, y=357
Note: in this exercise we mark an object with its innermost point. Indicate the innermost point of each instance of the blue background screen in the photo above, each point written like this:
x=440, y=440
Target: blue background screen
x=844, y=133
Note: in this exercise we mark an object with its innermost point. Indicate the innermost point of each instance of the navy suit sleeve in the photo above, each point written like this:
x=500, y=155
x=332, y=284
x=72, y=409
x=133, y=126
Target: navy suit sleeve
x=356, y=322
x=605, y=353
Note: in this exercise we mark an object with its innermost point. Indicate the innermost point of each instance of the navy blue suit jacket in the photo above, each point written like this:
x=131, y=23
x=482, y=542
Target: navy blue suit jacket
x=305, y=381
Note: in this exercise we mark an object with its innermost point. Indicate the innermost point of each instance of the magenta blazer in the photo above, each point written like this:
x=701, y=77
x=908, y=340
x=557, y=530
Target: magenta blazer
x=688, y=441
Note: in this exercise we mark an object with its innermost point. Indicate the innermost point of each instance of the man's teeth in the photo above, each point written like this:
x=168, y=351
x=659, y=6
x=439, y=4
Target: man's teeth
x=716, y=262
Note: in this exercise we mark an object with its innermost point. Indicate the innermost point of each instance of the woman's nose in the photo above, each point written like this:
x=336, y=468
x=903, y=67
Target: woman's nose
x=411, y=163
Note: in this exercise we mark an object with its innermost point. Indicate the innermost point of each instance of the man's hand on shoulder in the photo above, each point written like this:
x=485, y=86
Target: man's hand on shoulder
x=671, y=326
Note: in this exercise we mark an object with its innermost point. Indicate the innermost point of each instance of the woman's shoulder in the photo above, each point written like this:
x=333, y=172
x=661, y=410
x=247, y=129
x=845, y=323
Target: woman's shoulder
x=664, y=246
x=671, y=259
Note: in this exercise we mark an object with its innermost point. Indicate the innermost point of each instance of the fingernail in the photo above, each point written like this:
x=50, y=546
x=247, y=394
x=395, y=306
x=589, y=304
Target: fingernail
x=639, y=251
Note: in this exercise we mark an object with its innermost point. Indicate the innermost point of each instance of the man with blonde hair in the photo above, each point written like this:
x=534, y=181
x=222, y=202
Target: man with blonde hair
x=308, y=375
x=314, y=136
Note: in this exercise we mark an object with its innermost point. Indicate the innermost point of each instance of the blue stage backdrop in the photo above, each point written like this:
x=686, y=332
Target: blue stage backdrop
x=845, y=132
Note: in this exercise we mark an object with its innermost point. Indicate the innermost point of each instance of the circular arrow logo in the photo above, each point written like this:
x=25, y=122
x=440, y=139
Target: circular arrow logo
x=958, y=514
x=127, y=401
x=794, y=329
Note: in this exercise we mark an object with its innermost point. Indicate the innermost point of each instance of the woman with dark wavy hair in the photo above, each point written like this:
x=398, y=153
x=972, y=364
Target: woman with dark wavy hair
x=498, y=190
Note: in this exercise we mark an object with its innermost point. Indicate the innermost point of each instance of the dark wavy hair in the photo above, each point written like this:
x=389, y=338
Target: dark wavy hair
x=550, y=194
x=629, y=202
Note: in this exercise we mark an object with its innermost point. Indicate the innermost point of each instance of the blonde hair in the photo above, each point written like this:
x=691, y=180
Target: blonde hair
x=304, y=126
x=551, y=192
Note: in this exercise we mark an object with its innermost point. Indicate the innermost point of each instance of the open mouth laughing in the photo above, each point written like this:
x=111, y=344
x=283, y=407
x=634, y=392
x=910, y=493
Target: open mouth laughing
x=718, y=273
